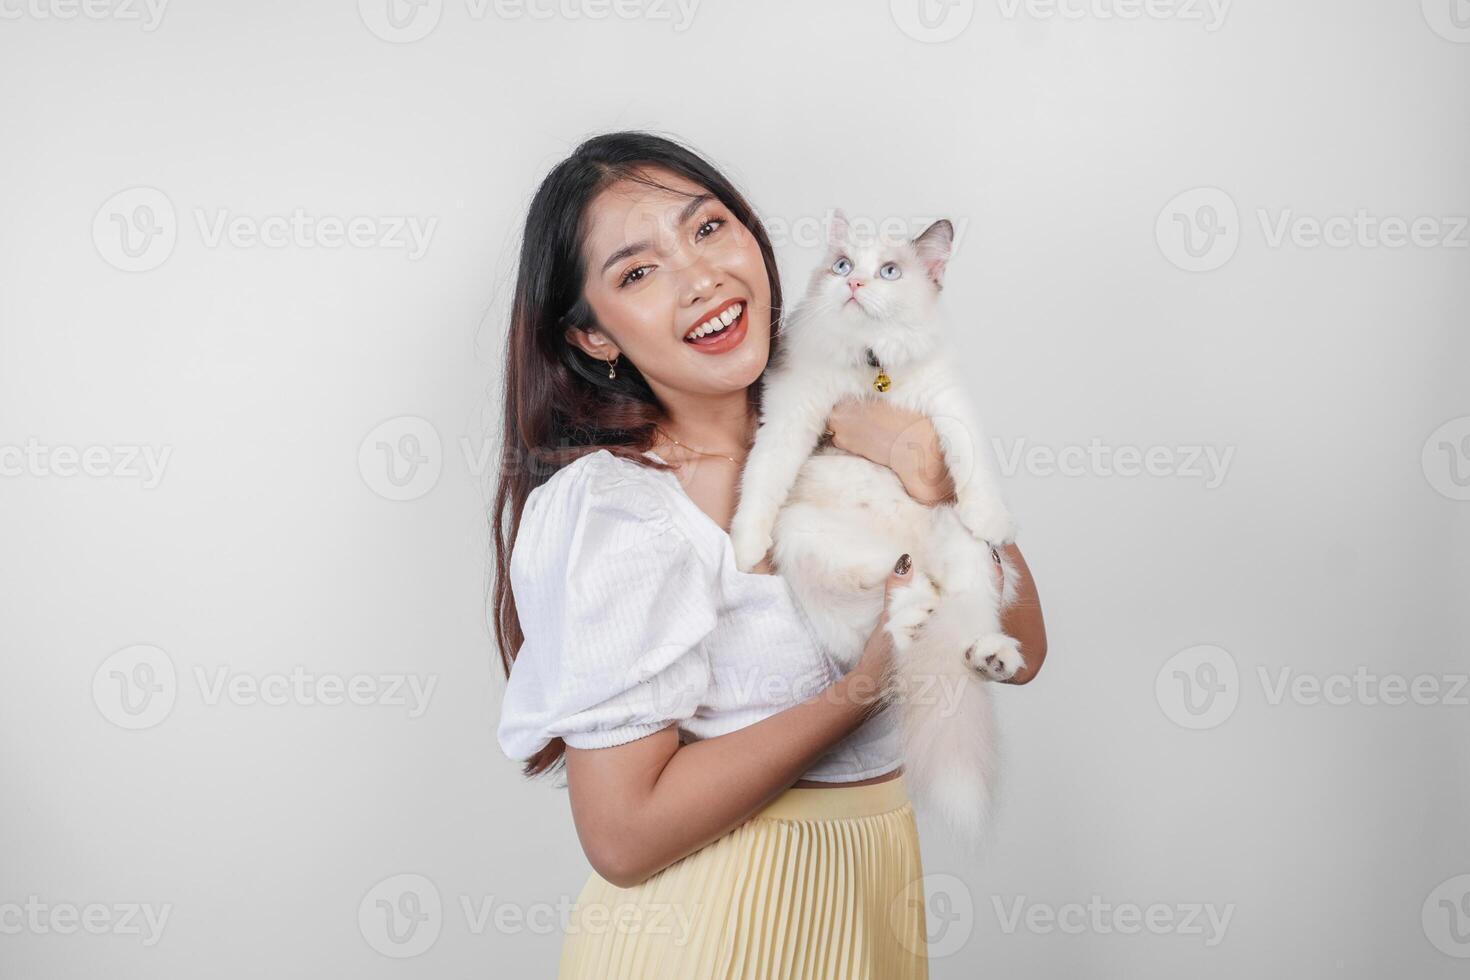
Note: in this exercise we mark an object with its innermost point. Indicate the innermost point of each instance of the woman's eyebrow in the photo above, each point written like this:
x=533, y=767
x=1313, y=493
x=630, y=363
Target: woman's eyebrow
x=695, y=203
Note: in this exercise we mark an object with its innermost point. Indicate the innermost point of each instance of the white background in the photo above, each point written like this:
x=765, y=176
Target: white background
x=1057, y=139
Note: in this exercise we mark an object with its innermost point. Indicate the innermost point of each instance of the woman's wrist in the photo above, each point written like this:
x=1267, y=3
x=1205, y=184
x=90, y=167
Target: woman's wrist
x=918, y=461
x=903, y=441
x=869, y=684
x=858, y=692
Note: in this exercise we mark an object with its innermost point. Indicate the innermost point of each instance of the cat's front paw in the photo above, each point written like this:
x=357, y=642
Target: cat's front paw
x=909, y=609
x=991, y=524
x=996, y=657
x=752, y=543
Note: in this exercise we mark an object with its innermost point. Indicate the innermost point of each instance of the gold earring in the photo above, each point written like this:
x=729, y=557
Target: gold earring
x=612, y=371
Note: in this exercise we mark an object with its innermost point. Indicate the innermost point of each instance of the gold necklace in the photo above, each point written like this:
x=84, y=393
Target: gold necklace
x=693, y=450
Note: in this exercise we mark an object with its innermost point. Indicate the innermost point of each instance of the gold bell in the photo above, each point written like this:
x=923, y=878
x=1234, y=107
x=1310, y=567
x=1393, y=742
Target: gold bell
x=882, y=381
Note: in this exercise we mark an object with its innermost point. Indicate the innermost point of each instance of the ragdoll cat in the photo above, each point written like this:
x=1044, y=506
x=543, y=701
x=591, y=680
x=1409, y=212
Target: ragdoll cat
x=869, y=326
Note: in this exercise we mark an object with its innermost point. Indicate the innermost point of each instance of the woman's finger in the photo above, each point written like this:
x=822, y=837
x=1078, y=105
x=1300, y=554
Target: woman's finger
x=902, y=572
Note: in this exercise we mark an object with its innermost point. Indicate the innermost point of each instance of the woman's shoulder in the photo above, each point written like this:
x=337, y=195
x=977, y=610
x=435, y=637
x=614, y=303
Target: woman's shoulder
x=608, y=511
x=602, y=479
x=599, y=463
x=601, y=489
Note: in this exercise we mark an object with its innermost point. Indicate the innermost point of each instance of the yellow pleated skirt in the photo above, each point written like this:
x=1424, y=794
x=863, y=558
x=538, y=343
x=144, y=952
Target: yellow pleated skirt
x=821, y=884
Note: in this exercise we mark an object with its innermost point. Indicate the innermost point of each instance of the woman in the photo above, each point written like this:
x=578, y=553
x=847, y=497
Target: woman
x=738, y=795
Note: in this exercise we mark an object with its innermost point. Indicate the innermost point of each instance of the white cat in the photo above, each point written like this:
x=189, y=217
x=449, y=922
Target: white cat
x=870, y=320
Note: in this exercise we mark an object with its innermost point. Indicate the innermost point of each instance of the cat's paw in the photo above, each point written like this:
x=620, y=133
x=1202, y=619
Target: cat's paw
x=752, y=543
x=996, y=657
x=909, y=609
x=991, y=524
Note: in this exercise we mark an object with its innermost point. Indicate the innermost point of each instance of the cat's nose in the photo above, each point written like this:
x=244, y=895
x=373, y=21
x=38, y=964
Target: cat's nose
x=854, y=284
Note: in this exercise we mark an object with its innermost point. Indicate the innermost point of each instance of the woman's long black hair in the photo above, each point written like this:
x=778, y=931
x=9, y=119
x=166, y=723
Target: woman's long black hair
x=559, y=402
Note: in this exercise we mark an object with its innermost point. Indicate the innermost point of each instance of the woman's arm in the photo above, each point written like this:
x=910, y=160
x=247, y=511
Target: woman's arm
x=907, y=443
x=897, y=438
x=645, y=804
x=1021, y=619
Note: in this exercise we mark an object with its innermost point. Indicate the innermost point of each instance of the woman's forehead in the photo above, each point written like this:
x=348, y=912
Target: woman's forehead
x=629, y=210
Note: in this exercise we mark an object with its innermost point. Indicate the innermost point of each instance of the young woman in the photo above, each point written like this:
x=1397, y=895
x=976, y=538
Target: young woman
x=739, y=797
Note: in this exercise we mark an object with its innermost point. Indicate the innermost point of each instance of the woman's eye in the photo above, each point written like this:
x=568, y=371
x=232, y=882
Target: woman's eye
x=633, y=275
x=890, y=271
x=712, y=224
x=842, y=266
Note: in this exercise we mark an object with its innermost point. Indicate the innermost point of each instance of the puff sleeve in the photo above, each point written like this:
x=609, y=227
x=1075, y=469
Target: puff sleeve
x=615, y=599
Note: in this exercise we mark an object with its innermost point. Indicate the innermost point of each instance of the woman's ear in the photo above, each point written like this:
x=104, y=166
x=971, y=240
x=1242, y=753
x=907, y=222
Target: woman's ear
x=592, y=342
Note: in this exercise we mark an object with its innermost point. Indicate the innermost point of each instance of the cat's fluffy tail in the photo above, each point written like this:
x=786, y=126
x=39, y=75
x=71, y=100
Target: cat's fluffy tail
x=951, y=757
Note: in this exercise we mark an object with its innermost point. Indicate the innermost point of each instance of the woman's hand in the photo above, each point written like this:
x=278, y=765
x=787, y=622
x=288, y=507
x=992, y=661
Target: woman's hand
x=906, y=443
x=892, y=436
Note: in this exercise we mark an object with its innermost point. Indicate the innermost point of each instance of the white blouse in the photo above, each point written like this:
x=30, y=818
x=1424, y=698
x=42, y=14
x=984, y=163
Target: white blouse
x=635, y=618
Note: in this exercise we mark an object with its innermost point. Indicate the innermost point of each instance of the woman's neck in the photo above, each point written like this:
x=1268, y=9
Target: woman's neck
x=720, y=424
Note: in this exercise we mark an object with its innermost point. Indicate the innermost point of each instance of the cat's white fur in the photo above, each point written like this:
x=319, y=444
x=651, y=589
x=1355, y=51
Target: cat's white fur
x=837, y=521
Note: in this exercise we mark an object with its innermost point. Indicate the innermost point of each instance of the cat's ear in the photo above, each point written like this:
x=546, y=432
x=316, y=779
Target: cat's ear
x=837, y=229
x=933, y=248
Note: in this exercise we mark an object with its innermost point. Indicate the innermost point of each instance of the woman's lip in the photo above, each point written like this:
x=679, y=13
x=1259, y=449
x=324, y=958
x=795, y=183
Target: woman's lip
x=730, y=337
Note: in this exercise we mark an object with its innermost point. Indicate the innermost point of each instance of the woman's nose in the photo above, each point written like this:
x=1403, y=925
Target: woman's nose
x=701, y=282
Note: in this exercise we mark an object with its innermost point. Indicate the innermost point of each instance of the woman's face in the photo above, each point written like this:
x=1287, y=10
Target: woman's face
x=662, y=266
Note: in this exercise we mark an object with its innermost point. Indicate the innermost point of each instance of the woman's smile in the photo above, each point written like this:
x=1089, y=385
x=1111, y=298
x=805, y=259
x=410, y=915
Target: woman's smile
x=722, y=330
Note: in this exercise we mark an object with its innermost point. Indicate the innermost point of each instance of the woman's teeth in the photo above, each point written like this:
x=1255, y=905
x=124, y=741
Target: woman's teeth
x=716, y=323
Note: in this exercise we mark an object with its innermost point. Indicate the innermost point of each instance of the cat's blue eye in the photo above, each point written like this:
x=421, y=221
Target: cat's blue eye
x=842, y=266
x=890, y=271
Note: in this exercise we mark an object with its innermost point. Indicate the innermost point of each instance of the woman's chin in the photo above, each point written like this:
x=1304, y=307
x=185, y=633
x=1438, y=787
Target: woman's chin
x=737, y=369
x=748, y=370
x=728, y=379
